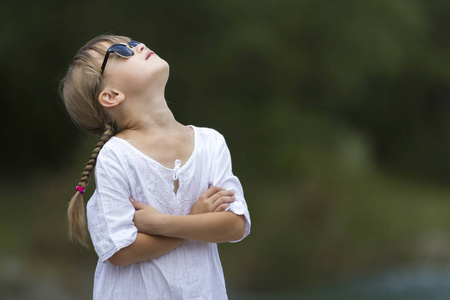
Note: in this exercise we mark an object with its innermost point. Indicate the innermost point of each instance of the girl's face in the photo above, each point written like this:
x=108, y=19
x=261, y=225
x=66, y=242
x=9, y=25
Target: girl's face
x=141, y=73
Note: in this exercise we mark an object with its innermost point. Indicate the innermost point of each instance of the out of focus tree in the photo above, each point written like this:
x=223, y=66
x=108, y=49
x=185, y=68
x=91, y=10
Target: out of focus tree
x=314, y=98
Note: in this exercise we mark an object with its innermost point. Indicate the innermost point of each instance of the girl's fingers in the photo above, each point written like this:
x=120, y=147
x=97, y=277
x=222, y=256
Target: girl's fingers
x=212, y=191
x=212, y=199
x=222, y=207
x=220, y=195
x=223, y=201
x=137, y=205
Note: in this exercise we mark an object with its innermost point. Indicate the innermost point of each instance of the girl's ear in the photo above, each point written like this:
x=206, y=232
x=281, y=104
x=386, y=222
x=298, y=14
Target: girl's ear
x=110, y=97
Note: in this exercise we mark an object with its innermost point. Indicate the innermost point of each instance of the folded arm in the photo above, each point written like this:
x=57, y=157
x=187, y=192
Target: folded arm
x=145, y=247
x=173, y=231
x=148, y=246
x=207, y=227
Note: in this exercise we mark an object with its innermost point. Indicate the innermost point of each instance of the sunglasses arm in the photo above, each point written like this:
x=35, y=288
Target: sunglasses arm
x=104, y=61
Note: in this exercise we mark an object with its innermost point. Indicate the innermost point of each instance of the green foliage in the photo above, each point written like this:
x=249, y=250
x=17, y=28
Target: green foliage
x=336, y=113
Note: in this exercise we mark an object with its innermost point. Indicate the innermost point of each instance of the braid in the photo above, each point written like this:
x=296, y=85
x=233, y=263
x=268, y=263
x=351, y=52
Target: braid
x=109, y=132
x=75, y=211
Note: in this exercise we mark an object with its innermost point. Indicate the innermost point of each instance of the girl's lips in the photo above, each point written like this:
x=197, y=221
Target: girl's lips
x=149, y=54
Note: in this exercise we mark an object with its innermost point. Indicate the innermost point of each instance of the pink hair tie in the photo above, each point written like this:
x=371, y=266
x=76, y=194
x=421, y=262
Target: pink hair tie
x=80, y=189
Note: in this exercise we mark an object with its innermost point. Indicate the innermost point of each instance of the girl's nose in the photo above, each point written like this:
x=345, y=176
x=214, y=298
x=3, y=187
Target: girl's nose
x=140, y=48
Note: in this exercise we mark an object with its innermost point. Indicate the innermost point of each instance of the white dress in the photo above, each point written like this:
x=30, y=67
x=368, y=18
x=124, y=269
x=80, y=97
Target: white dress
x=190, y=271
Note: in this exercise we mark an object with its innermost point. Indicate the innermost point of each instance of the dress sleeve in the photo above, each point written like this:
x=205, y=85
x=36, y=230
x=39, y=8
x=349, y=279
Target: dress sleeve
x=223, y=177
x=109, y=211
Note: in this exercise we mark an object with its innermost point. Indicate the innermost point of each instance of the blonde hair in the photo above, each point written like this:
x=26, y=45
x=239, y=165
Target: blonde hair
x=79, y=90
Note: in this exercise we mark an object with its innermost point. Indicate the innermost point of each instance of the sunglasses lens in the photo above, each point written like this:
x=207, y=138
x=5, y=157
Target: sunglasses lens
x=122, y=50
x=133, y=43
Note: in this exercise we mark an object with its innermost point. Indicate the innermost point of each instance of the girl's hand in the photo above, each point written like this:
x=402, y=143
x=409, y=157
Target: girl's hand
x=146, y=218
x=215, y=199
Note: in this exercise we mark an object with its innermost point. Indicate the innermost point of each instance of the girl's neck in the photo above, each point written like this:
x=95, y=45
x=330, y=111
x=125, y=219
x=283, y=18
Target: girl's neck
x=147, y=119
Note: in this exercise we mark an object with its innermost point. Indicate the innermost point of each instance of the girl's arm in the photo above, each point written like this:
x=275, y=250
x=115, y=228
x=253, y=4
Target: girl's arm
x=147, y=246
x=217, y=228
x=206, y=227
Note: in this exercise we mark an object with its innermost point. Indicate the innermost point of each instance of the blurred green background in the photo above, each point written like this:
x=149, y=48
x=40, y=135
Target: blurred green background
x=336, y=113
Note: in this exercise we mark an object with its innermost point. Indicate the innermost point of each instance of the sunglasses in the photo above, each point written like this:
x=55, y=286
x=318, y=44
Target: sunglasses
x=123, y=50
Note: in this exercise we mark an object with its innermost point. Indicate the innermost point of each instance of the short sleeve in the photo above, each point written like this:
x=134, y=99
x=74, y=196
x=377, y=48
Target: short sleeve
x=223, y=177
x=109, y=211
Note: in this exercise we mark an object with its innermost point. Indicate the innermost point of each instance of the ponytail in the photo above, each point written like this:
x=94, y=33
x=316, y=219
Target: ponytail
x=75, y=211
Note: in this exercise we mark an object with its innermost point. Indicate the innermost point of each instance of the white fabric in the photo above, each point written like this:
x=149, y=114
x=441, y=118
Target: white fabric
x=190, y=271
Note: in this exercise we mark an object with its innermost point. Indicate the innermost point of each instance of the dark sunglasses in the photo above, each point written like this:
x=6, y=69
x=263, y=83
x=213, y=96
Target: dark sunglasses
x=123, y=50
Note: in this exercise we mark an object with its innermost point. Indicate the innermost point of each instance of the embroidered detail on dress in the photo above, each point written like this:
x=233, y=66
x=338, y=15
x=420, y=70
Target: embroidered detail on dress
x=177, y=169
x=176, y=174
x=150, y=182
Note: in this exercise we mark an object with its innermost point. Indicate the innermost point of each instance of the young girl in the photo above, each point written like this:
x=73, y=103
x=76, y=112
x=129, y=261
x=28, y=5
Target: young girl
x=157, y=211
